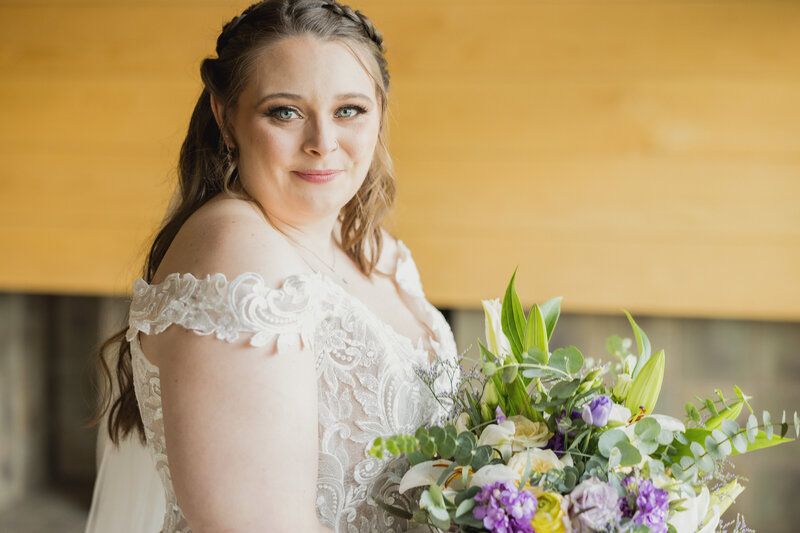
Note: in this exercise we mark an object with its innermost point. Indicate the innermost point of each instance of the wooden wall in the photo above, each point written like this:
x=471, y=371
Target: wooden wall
x=640, y=154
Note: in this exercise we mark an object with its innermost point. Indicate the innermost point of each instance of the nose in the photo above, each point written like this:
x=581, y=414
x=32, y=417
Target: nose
x=320, y=138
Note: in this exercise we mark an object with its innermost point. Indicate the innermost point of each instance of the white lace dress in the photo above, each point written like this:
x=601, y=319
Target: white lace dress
x=367, y=386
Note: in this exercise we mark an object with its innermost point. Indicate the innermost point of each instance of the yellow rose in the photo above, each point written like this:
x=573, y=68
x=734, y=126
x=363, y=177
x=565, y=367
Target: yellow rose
x=529, y=434
x=550, y=516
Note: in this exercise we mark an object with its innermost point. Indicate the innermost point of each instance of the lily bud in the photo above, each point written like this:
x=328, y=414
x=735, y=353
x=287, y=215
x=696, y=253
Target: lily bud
x=723, y=497
x=731, y=412
x=623, y=387
x=490, y=395
x=486, y=413
x=646, y=387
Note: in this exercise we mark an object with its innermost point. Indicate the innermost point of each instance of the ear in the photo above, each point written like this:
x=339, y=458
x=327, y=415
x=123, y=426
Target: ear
x=216, y=108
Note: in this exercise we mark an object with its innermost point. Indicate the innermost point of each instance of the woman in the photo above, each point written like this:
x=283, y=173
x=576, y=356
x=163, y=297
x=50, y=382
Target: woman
x=276, y=329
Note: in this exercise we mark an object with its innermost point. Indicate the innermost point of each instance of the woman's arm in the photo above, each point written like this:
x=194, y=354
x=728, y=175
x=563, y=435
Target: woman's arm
x=240, y=421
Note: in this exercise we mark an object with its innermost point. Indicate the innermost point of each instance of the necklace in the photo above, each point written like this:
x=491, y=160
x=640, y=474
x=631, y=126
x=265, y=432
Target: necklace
x=330, y=266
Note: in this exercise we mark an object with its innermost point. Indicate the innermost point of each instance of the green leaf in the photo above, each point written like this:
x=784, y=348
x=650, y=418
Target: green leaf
x=647, y=429
x=436, y=495
x=692, y=413
x=729, y=427
x=538, y=356
x=551, y=310
x=642, y=342
x=510, y=372
x=448, y=447
x=465, y=507
x=711, y=407
x=796, y=425
x=761, y=441
x=512, y=318
x=489, y=369
x=535, y=330
x=740, y=443
x=480, y=457
x=752, y=428
x=609, y=439
x=465, y=443
x=466, y=494
x=564, y=389
x=630, y=455
x=567, y=359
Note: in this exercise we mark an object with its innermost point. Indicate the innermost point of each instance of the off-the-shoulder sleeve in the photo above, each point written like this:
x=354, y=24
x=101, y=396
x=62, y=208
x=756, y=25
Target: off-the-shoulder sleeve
x=226, y=309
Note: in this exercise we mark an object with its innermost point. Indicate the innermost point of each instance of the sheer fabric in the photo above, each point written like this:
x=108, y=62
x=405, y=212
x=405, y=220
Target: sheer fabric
x=367, y=385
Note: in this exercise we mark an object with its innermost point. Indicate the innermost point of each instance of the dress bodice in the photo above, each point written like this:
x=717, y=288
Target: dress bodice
x=366, y=380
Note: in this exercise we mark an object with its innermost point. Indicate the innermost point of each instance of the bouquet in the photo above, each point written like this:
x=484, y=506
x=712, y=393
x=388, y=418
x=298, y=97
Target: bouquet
x=542, y=441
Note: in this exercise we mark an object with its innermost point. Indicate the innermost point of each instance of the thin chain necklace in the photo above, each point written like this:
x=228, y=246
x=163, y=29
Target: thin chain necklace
x=329, y=266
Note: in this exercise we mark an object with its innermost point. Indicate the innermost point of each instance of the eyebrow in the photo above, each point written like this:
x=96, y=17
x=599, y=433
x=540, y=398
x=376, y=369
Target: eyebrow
x=292, y=96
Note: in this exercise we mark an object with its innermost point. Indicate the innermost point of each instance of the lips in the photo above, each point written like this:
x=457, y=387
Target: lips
x=317, y=176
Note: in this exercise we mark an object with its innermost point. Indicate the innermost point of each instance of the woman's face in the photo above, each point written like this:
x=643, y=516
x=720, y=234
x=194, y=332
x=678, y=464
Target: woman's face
x=306, y=126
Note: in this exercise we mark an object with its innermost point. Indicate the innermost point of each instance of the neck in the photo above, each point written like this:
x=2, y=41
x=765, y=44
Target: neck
x=316, y=236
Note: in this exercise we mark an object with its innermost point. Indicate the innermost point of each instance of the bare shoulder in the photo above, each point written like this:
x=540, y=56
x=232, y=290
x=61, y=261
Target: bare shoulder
x=230, y=236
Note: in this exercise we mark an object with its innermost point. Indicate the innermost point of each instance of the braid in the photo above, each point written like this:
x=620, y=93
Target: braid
x=358, y=18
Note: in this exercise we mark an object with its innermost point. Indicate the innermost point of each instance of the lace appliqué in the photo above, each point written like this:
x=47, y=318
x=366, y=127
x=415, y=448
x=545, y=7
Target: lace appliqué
x=367, y=386
x=215, y=306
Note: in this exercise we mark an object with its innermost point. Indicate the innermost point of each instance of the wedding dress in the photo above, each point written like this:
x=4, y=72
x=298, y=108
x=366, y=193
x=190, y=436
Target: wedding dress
x=366, y=379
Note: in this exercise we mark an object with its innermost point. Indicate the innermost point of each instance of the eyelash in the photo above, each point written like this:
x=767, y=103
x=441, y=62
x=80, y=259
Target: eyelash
x=273, y=111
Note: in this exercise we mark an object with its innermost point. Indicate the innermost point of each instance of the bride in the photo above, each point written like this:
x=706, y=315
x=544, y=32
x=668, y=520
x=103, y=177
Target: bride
x=277, y=327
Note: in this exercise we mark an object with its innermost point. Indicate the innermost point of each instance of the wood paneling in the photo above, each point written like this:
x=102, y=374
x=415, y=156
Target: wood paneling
x=637, y=154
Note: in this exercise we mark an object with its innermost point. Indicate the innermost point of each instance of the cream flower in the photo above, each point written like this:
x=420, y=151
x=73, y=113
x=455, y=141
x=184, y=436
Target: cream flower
x=542, y=461
x=528, y=434
x=499, y=436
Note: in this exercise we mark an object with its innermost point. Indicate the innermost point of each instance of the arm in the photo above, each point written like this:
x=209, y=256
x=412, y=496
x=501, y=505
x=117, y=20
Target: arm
x=240, y=421
x=241, y=430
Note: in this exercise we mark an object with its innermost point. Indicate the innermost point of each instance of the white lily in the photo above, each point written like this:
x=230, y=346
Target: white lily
x=428, y=473
x=499, y=436
x=619, y=413
x=492, y=474
x=495, y=338
x=696, y=508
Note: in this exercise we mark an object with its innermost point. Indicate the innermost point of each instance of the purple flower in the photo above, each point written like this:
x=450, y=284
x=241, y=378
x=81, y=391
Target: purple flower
x=504, y=509
x=596, y=413
x=596, y=503
x=500, y=415
x=651, y=507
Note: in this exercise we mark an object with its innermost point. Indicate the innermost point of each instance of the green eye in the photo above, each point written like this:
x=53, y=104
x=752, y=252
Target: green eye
x=350, y=111
x=283, y=113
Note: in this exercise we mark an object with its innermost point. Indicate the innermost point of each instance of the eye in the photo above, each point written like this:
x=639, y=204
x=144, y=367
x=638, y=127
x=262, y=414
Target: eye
x=283, y=113
x=350, y=111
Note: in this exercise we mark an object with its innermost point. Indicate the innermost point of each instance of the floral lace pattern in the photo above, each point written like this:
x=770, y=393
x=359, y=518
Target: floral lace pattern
x=366, y=382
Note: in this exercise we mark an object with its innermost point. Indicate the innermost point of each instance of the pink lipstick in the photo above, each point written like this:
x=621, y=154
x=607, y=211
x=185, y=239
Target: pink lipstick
x=317, y=176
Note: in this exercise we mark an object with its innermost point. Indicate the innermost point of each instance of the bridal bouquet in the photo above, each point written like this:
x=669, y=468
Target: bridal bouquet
x=543, y=441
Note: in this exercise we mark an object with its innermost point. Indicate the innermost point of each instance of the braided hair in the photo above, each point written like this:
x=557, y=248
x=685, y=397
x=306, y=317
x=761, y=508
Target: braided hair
x=207, y=164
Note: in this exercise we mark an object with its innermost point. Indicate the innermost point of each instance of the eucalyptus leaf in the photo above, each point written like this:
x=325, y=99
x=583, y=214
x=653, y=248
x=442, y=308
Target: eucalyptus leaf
x=740, y=443
x=630, y=455
x=609, y=439
x=465, y=506
x=647, y=428
x=569, y=360
x=564, y=389
x=510, y=372
x=723, y=441
x=767, y=424
x=729, y=427
x=480, y=457
x=752, y=427
x=538, y=356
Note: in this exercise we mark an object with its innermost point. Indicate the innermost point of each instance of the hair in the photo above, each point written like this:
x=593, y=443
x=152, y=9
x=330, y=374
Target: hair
x=207, y=166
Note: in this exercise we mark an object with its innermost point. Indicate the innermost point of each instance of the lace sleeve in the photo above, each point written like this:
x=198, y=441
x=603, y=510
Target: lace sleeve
x=225, y=308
